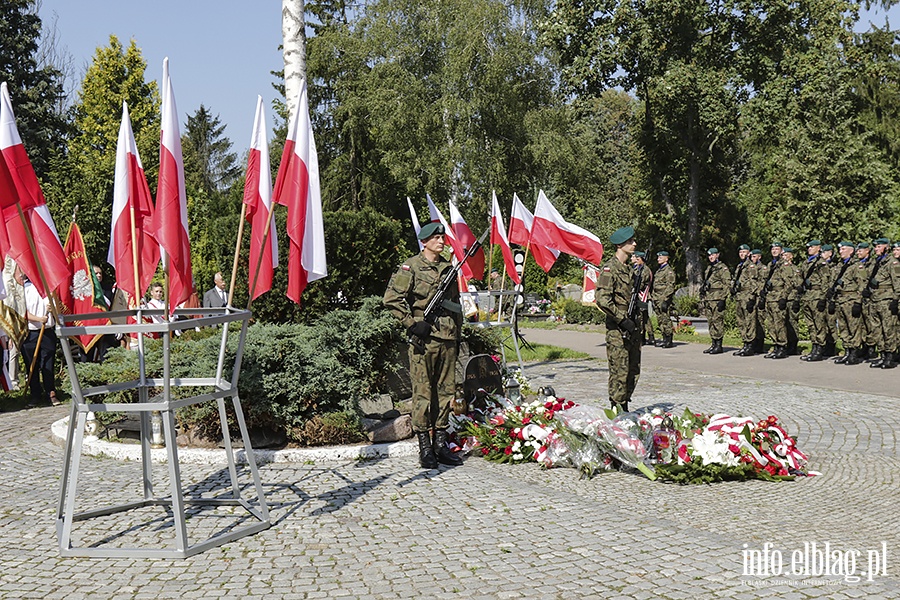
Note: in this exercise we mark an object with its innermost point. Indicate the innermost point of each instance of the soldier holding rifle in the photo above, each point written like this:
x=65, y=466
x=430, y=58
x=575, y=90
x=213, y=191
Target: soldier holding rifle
x=434, y=340
x=816, y=279
x=713, y=293
x=618, y=286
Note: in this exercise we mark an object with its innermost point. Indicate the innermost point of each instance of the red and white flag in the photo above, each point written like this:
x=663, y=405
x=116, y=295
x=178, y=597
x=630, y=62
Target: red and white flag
x=520, y=223
x=589, y=295
x=551, y=230
x=83, y=294
x=19, y=188
x=128, y=240
x=465, y=236
x=415, y=222
x=170, y=224
x=498, y=236
x=258, y=198
x=459, y=252
x=297, y=187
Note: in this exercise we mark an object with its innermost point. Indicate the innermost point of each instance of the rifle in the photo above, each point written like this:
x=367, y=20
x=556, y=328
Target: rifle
x=805, y=285
x=437, y=302
x=736, y=282
x=829, y=295
x=767, y=285
x=635, y=304
x=867, y=291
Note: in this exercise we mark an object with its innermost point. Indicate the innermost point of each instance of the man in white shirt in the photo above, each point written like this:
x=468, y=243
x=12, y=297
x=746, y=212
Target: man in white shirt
x=42, y=355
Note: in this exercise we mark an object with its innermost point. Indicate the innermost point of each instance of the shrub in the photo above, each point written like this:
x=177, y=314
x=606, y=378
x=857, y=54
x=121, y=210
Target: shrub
x=577, y=313
x=687, y=306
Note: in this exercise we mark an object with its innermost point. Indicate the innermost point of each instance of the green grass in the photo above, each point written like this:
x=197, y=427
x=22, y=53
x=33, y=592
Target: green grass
x=543, y=352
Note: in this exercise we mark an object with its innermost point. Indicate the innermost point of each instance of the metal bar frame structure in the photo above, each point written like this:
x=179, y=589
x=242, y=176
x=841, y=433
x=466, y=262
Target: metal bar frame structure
x=163, y=403
x=503, y=324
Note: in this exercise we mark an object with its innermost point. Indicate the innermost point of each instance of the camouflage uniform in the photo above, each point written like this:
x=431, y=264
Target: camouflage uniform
x=664, y=300
x=785, y=278
x=717, y=281
x=433, y=372
x=848, y=307
x=646, y=324
x=792, y=315
x=744, y=286
x=614, y=287
x=816, y=281
x=885, y=287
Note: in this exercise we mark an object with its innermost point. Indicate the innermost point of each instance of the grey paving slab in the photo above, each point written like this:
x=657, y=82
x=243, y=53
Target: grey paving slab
x=384, y=528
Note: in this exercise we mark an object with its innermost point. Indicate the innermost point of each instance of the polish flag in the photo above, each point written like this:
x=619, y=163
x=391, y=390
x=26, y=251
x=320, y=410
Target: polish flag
x=520, y=223
x=465, y=236
x=170, y=224
x=588, y=296
x=415, y=222
x=297, y=187
x=127, y=240
x=258, y=198
x=498, y=236
x=459, y=252
x=19, y=189
x=551, y=230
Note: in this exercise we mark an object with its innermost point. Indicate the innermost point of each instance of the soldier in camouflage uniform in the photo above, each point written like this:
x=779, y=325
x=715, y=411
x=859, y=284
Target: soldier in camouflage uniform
x=767, y=271
x=894, y=306
x=742, y=291
x=751, y=331
x=881, y=290
x=848, y=308
x=615, y=285
x=816, y=280
x=793, y=304
x=664, y=298
x=867, y=351
x=433, y=372
x=781, y=294
x=713, y=294
x=830, y=273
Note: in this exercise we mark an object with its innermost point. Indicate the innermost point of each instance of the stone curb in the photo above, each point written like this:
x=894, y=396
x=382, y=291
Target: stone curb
x=94, y=446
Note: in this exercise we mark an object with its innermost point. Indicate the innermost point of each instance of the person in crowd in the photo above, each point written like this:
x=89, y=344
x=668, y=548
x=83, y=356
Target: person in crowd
x=217, y=297
x=713, y=296
x=663, y=295
x=39, y=348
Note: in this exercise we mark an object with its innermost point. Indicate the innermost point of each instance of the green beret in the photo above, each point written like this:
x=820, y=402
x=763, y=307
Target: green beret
x=431, y=229
x=863, y=245
x=712, y=251
x=897, y=244
x=847, y=244
x=881, y=240
x=775, y=245
x=640, y=254
x=743, y=247
x=662, y=253
x=621, y=235
x=813, y=243
x=827, y=247
x=756, y=251
x=787, y=250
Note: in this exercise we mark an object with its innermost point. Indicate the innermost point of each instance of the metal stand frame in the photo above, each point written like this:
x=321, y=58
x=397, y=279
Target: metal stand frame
x=222, y=389
x=511, y=324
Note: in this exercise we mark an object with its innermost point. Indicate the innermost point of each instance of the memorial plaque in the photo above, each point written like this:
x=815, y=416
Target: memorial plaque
x=482, y=372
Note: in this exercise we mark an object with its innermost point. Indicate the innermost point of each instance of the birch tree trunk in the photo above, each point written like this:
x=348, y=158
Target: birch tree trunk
x=293, y=33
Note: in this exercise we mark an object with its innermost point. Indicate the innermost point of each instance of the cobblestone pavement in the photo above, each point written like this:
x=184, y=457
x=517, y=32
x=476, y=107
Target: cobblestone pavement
x=386, y=529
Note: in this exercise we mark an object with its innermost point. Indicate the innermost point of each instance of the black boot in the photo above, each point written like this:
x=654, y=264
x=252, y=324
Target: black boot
x=667, y=342
x=712, y=346
x=817, y=354
x=813, y=351
x=651, y=338
x=853, y=357
x=876, y=364
x=830, y=348
x=780, y=352
x=742, y=351
x=717, y=347
x=426, y=452
x=772, y=352
x=842, y=359
x=888, y=361
x=442, y=451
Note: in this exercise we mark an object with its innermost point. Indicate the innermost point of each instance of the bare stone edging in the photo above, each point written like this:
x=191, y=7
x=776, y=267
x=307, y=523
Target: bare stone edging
x=94, y=446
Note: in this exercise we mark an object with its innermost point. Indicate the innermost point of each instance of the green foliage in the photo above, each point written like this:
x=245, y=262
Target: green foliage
x=696, y=472
x=330, y=428
x=84, y=176
x=290, y=373
x=209, y=163
x=687, y=306
x=35, y=87
x=577, y=313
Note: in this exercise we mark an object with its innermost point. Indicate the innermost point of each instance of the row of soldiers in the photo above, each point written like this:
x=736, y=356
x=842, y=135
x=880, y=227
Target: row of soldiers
x=853, y=295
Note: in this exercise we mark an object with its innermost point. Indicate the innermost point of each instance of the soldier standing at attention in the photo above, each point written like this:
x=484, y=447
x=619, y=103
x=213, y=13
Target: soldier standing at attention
x=615, y=285
x=781, y=285
x=883, y=287
x=894, y=306
x=847, y=304
x=795, y=280
x=664, y=298
x=816, y=280
x=751, y=332
x=829, y=274
x=866, y=330
x=716, y=284
x=742, y=292
x=768, y=271
x=433, y=371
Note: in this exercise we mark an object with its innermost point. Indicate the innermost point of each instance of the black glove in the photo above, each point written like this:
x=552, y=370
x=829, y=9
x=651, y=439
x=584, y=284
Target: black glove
x=832, y=307
x=866, y=293
x=720, y=306
x=769, y=285
x=856, y=309
x=801, y=289
x=873, y=284
x=893, y=306
x=820, y=305
x=420, y=329
x=751, y=304
x=795, y=306
x=663, y=307
x=627, y=324
x=782, y=304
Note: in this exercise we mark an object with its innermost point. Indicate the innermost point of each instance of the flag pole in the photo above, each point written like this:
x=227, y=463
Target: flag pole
x=37, y=355
x=37, y=261
x=237, y=253
x=262, y=252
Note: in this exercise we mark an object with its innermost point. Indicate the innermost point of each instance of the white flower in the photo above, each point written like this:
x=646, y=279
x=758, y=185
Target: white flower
x=713, y=449
x=517, y=456
x=516, y=446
